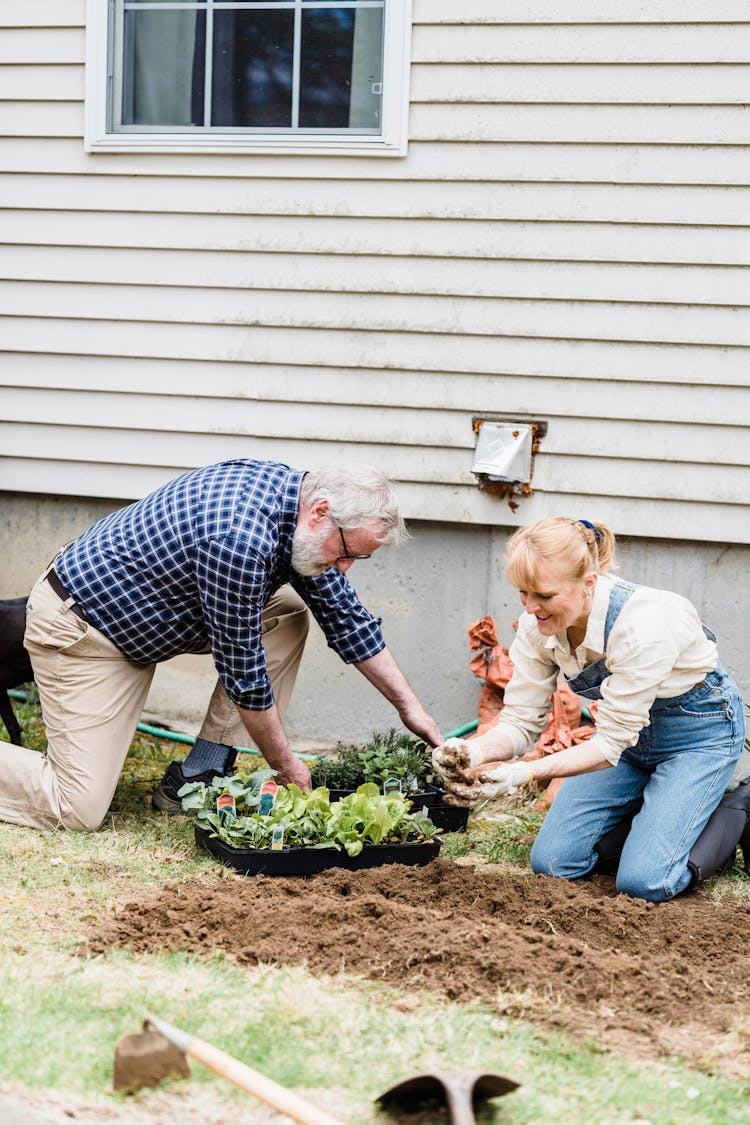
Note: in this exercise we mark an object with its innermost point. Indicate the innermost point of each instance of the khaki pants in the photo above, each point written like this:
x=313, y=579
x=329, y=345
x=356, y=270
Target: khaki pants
x=92, y=697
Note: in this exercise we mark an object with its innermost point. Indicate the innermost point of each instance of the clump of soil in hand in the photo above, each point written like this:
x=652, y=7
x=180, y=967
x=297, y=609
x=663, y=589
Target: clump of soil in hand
x=644, y=978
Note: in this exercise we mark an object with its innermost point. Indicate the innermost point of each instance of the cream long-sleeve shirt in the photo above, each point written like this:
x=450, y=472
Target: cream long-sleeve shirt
x=657, y=649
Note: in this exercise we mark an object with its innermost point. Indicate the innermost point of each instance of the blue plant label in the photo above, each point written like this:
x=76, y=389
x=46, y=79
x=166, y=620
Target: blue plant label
x=268, y=791
x=391, y=785
x=277, y=838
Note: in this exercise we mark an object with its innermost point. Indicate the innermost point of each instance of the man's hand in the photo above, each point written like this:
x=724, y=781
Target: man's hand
x=297, y=773
x=419, y=722
x=496, y=781
x=267, y=732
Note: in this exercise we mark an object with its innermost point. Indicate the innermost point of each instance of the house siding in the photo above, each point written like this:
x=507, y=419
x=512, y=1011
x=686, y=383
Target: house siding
x=567, y=240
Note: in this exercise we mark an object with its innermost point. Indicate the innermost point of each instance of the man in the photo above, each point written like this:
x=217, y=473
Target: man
x=223, y=559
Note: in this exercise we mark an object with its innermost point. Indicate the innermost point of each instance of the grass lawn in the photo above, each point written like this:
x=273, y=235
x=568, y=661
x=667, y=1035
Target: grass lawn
x=338, y=1041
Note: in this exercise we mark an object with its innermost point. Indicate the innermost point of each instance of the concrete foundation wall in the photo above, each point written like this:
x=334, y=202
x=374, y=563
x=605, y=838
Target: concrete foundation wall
x=426, y=591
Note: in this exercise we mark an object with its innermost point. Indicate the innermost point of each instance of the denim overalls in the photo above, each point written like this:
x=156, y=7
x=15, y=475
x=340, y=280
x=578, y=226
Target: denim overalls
x=675, y=774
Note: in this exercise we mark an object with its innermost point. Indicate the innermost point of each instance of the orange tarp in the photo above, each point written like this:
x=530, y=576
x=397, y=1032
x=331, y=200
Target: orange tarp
x=493, y=665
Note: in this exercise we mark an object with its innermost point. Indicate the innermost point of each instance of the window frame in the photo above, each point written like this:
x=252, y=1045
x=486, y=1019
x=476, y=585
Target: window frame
x=392, y=140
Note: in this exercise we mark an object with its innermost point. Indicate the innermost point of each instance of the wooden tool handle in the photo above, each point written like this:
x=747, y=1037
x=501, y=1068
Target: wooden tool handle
x=268, y=1091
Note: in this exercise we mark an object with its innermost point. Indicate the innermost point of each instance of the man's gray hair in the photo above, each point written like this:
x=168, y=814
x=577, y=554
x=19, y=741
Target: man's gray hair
x=358, y=496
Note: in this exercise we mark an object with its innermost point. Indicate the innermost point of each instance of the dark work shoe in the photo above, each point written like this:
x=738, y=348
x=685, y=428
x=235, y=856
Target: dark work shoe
x=164, y=797
x=739, y=798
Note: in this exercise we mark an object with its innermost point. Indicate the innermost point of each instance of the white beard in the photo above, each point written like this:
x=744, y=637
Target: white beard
x=306, y=547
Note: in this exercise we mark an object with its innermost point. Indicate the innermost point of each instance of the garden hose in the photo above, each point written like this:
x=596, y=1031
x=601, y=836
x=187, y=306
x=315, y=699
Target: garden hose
x=189, y=739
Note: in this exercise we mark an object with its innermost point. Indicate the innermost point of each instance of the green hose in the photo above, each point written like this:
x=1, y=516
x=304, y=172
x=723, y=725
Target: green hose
x=189, y=739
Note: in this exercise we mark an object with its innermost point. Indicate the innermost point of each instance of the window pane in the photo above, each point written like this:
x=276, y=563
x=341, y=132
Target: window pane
x=163, y=68
x=252, y=68
x=341, y=69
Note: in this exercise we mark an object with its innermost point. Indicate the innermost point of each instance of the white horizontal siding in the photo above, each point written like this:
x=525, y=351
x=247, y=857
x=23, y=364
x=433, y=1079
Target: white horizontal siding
x=582, y=43
x=613, y=399
x=568, y=240
x=403, y=351
x=543, y=241
x=473, y=45
x=383, y=312
x=67, y=439
x=561, y=12
x=71, y=13
x=656, y=164
x=621, y=124
x=622, y=205
x=681, y=450
x=654, y=284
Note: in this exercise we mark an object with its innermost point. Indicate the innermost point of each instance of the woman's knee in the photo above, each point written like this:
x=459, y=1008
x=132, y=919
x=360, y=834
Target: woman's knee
x=654, y=884
x=548, y=858
x=551, y=855
x=639, y=885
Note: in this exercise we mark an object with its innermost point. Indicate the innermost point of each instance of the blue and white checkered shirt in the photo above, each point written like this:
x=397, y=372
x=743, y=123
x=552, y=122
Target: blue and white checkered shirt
x=193, y=564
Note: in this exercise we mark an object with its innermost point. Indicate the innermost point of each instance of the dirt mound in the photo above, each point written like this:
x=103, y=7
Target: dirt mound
x=645, y=978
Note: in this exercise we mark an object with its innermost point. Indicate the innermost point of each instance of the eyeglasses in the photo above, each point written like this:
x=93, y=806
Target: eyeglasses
x=347, y=556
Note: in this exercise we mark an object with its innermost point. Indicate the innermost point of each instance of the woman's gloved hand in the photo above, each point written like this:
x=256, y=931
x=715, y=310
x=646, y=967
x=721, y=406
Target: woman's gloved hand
x=496, y=781
x=456, y=760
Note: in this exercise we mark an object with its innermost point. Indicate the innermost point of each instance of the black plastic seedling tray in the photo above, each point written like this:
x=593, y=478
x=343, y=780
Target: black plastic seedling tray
x=448, y=817
x=310, y=861
x=420, y=798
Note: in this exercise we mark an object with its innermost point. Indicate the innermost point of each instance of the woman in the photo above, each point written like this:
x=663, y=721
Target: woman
x=669, y=726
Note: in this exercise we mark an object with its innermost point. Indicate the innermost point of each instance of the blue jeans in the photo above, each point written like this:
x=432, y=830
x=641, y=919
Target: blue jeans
x=675, y=776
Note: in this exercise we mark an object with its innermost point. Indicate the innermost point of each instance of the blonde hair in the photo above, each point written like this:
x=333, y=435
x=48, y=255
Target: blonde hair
x=567, y=546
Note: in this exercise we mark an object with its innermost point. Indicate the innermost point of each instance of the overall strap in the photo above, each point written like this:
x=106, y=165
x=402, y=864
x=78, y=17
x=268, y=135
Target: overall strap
x=589, y=680
x=620, y=593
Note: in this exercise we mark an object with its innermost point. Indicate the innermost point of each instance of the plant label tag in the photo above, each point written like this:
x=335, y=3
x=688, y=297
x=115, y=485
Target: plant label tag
x=411, y=783
x=268, y=791
x=391, y=785
x=277, y=838
x=225, y=803
x=424, y=810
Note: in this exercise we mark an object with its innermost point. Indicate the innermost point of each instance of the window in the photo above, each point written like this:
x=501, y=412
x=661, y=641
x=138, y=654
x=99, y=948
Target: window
x=286, y=76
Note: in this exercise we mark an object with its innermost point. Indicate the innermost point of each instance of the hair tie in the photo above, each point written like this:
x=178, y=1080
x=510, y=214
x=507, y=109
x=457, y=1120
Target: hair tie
x=591, y=527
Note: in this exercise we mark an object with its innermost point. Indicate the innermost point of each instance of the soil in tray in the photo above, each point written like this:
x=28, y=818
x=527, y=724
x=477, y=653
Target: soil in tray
x=310, y=861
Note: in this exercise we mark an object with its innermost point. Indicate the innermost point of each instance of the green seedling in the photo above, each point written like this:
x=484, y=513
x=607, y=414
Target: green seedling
x=307, y=820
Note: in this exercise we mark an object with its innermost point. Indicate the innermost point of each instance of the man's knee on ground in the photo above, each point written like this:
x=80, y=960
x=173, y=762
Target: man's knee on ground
x=84, y=816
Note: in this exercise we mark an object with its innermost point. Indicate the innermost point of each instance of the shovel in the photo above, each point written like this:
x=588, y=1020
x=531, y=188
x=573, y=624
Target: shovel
x=160, y=1049
x=460, y=1091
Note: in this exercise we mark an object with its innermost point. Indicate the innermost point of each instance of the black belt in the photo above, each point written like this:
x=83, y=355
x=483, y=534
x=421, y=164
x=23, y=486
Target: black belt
x=62, y=593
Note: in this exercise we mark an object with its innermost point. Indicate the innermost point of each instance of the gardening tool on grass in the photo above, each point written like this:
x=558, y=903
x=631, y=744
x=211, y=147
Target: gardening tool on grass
x=159, y=1052
x=460, y=1091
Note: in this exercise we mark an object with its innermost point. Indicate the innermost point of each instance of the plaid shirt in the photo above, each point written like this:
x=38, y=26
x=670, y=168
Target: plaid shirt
x=192, y=565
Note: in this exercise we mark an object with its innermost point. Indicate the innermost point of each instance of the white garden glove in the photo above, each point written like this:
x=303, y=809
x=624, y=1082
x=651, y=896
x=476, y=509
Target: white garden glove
x=456, y=759
x=496, y=781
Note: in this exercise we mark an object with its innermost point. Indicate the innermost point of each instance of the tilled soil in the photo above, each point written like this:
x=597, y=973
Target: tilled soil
x=644, y=979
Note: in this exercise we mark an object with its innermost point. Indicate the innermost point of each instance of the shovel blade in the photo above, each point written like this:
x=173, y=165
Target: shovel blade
x=144, y=1059
x=461, y=1091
